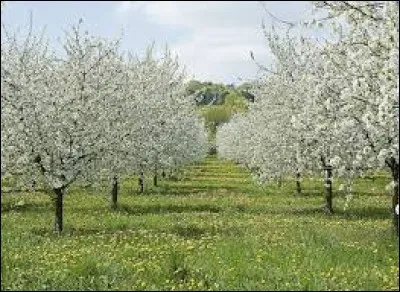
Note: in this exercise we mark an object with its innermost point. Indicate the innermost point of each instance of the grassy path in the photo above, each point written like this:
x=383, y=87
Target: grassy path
x=216, y=176
x=212, y=230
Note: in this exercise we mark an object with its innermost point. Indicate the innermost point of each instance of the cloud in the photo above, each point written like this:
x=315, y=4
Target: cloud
x=222, y=54
x=219, y=34
x=124, y=7
x=199, y=14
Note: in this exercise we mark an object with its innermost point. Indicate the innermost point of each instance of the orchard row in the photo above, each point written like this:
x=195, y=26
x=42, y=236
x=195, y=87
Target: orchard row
x=329, y=107
x=92, y=113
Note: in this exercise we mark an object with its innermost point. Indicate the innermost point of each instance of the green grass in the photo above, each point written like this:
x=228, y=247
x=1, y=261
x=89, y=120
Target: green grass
x=213, y=230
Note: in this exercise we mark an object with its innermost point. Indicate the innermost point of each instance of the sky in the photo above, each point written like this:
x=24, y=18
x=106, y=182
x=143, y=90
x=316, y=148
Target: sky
x=211, y=38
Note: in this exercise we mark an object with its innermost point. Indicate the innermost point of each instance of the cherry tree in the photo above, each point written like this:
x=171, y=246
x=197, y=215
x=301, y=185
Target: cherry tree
x=55, y=111
x=369, y=61
x=341, y=97
x=265, y=138
x=170, y=131
x=157, y=125
x=92, y=113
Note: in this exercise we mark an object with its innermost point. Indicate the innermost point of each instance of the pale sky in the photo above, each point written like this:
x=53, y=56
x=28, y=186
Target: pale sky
x=211, y=38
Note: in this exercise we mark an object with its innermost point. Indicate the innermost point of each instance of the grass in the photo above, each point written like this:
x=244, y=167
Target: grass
x=213, y=230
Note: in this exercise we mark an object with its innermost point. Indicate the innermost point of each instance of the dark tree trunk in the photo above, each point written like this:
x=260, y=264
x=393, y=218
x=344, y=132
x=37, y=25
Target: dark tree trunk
x=155, y=180
x=155, y=177
x=114, y=194
x=394, y=168
x=163, y=174
x=328, y=190
x=58, y=205
x=298, y=185
x=141, y=182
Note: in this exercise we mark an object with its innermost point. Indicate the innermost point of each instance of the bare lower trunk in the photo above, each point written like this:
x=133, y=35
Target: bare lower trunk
x=141, y=182
x=114, y=194
x=155, y=176
x=58, y=205
x=328, y=190
x=155, y=180
x=298, y=185
x=394, y=167
x=395, y=202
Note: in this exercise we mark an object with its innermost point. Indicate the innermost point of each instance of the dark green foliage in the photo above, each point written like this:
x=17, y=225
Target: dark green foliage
x=208, y=93
x=212, y=150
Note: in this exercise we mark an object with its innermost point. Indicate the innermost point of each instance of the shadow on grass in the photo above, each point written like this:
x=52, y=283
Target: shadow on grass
x=34, y=207
x=19, y=191
x=309, y=193
x=167, y=208
x=182, y=230
x=48, y=231
x=170, y=191
x=196, y=187
x=260, y=210
x=70, y=231
x=189, y=231
x=306, y=211
x=370, y=212
x=193, y=231
x=380, y=193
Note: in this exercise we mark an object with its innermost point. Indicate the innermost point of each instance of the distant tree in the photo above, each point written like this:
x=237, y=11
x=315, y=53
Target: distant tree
x=207, y=93
x=235, y=100
x=247, y=95
x=193, y=86
x=246, y=90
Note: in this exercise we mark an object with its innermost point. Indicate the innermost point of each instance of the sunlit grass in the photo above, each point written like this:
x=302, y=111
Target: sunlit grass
x=213, y=230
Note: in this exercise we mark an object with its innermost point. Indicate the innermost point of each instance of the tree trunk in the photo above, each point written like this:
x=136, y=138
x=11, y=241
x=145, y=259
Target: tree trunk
x=298, y=185
x=141, y=182
x=163, y=173
x=58, y=205
x=155, y=177
x=155, y=180
x=114, y=194
x=395, y=199
x=328, y=190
